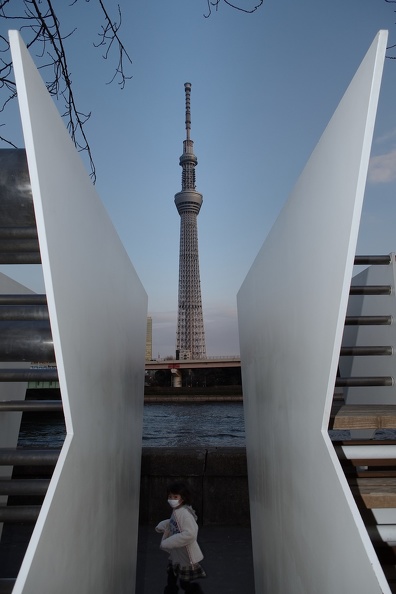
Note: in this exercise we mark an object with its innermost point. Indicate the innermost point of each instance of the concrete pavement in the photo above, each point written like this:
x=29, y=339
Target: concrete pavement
x=228, y=560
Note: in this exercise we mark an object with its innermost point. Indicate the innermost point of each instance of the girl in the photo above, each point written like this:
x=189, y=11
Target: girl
x=180, y=541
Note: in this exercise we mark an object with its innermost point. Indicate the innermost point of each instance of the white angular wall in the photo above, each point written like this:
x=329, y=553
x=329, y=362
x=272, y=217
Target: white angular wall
x=85, y=539
x=308, y=535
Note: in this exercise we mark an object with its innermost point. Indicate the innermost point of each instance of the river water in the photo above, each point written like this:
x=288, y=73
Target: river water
x=172, y=425
x=164, y=425
x=217, y=424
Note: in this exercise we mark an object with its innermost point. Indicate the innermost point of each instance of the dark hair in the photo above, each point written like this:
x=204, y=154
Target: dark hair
x=179, y=488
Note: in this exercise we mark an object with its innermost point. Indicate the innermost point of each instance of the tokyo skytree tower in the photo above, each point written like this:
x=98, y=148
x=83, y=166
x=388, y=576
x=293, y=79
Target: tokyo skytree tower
x=190, y=335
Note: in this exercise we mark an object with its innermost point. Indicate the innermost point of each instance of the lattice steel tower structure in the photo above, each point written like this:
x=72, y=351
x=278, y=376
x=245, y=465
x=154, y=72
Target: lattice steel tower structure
x=190, y=335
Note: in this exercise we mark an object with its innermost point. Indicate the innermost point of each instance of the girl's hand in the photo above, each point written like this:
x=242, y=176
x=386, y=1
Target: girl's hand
x=163, y=526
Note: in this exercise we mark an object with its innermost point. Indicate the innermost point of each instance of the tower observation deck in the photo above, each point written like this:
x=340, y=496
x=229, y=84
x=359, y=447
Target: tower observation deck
x=190, y=335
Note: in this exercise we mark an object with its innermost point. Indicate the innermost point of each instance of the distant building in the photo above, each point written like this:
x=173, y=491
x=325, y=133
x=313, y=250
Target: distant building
x=190, y=335
x=149, y=339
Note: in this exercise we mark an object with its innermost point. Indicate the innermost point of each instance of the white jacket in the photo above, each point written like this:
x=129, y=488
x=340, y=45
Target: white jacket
x=181, y=546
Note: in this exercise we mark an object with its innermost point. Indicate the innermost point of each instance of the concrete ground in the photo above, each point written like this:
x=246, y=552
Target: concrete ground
x=227, y=550
x=228, y=561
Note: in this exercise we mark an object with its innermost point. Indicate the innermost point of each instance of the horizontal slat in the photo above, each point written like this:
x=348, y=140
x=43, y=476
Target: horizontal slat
x=44, y=374
x=368, y=320
x=385, y=532
x=368, y=452
x=370, y=290
x=369, y=381
x=22, y=457
x=373, y=260
x=20, y=258
x=19, y=244
x=31, y=405
x=375, y=464
x=23, y=299
x=17, y=313
x=375, y=472
x=23, y=487
x=366, y=351
x=19, y=513
x=384, y=515
x=18, y=232
x=26, y=340
x=375, y=492
x=368, y=442
x=359, y=416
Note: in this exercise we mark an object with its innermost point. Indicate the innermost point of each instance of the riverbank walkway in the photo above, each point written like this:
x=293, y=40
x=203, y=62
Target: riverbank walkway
x=228, y=561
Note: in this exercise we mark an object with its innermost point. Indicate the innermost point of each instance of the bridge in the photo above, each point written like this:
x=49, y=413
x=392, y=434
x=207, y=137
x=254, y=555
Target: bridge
x=211, y=362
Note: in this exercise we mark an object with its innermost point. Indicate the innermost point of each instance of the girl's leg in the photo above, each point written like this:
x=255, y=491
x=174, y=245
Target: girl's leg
x=190, y=587
x=171, y=587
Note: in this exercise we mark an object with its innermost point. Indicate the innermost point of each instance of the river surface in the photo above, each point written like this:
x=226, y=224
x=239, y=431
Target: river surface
x=172, y=425
x=164, y=425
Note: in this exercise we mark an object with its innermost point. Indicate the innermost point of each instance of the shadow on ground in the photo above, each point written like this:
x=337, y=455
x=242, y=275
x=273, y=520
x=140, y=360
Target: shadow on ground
x=228, y=561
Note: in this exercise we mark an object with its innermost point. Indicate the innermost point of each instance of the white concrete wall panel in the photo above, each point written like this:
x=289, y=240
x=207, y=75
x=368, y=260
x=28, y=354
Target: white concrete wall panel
x=308, y=535
x=85, y=539
x=371, y=305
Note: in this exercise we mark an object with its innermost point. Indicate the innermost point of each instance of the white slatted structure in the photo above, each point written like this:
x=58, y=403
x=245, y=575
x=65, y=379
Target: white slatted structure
x=308, y=534
x=85, y=538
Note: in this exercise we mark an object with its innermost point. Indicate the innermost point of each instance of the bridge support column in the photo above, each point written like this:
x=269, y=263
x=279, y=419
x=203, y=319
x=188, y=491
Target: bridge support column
x=176, y=378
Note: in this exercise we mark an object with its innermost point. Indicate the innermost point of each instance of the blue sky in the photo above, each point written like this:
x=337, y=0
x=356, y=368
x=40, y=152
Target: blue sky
x=264, y=87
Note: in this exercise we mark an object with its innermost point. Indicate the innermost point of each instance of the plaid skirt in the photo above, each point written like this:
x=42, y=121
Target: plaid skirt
x=187, y=573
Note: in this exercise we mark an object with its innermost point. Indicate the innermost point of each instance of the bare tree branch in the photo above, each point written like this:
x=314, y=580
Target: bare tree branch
x=391, y=47
x=108, y=37
x=215, y=4
x=38, y=19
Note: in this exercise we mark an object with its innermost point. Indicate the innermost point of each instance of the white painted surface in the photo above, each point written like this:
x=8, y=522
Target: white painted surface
x=308, y=535
x=10, y=421
x=371, y=305
x=369, y=452
x=85, y=539
x=387, y=533
x=384, y=515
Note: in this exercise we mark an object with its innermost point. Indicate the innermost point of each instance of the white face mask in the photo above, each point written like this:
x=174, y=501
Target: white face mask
x=174, y=502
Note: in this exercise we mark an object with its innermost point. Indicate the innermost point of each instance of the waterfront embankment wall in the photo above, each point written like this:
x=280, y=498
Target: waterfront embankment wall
x=167, y=394
x=217, y=478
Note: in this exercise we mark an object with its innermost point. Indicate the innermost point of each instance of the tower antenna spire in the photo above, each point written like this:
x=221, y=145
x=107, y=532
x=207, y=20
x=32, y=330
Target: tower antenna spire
x=190, y=335
x=187, y=89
